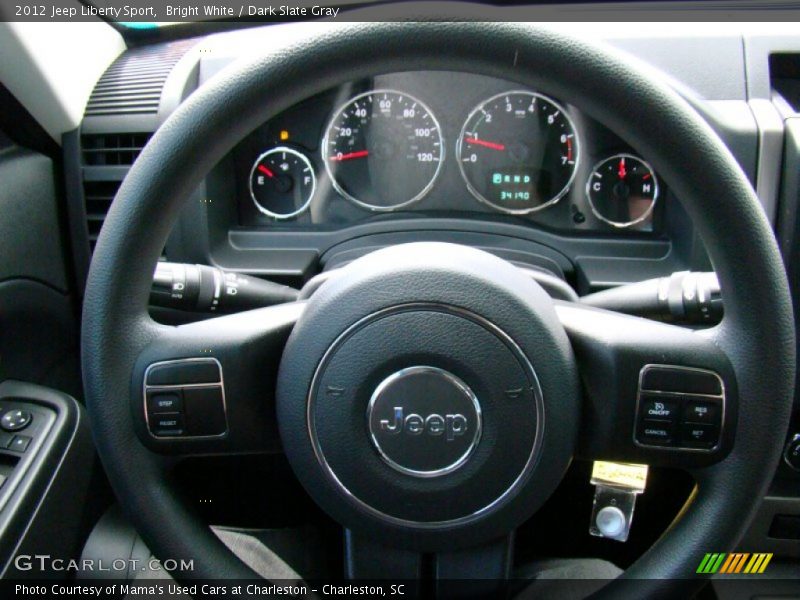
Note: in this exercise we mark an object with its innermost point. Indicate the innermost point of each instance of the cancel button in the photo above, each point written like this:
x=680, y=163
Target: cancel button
x=657, y=407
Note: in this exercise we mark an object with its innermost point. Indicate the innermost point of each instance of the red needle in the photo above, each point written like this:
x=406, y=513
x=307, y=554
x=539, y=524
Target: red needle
x=350, y=155
x=266, y=171
x=622, y=172
x=492, y=145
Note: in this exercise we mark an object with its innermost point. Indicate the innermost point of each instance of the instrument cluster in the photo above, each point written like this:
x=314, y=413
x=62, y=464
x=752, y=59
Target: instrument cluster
x=430, y=143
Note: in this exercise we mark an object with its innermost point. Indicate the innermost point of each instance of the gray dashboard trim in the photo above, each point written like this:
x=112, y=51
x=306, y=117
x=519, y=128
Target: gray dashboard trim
x=770, y=150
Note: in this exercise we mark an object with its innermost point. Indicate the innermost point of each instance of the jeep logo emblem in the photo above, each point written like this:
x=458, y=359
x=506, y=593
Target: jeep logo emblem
x=414, y=424
x=424, y=421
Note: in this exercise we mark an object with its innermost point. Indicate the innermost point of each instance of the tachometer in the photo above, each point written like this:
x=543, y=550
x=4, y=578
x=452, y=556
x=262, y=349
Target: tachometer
x=518, y=152
x=383, y=150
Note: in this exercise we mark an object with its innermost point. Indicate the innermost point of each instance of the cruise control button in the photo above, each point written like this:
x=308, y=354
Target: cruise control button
x=205, y=411
x=656, y=407
x=699, y=436
x=16, y=420
x=701, y=411
x=682, y=380
x=655, y=432
x=184, y=372
x=20, y=443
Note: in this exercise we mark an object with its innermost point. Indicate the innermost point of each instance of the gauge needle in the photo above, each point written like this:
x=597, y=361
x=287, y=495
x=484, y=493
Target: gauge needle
x=350, y=155
x=622, y=172
x=492, y=145
x=266, y=171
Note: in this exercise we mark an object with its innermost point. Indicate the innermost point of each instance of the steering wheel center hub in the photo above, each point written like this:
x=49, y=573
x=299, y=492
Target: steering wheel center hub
x=423, y=411
x=424, y=421
x=395, y=422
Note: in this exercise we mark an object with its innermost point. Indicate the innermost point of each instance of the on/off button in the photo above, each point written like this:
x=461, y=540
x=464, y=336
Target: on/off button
x=656, y=407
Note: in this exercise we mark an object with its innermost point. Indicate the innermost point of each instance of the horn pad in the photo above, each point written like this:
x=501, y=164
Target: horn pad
x=429, y=388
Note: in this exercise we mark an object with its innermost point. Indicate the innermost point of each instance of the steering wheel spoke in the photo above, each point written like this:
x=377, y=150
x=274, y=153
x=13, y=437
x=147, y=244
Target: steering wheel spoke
x=654, y=393
x=208, y=387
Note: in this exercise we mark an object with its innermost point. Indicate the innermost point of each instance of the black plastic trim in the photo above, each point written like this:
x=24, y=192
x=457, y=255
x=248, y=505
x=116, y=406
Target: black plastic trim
x=57, y=465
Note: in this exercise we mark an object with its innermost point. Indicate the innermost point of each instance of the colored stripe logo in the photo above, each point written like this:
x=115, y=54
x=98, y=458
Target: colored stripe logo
x=734, y=563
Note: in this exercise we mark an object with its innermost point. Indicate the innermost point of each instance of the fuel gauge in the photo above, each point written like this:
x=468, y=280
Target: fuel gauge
x=282, y=183
x=622, y=190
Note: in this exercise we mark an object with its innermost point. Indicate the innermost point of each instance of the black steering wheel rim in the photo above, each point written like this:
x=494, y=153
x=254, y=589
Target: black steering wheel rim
x=646, y=113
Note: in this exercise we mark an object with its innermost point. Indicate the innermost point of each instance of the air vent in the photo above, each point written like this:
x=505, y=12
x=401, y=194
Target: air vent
x=132, y=84
x=784, y=74
x=98, y=196
x=113, y=149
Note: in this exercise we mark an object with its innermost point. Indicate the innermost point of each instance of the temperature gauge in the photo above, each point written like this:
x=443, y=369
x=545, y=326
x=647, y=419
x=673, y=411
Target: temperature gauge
x=282, y=183
x=622, y=190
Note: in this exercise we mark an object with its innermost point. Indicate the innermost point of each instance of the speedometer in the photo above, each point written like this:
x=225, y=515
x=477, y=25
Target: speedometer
x=383, y=150
x=518, y=152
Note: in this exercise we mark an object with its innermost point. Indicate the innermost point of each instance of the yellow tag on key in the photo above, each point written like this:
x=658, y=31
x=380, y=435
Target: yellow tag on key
x=622, y=475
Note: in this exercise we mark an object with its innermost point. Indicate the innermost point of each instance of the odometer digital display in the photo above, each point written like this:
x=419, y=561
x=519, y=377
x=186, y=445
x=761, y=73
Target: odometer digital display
x=518, y=152
x=383, y=150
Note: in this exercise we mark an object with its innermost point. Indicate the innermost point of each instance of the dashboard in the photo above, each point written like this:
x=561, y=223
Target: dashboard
x=428, y=155
x=421, y=144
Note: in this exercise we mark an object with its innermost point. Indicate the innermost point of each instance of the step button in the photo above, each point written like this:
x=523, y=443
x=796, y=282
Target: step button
x=164, y=402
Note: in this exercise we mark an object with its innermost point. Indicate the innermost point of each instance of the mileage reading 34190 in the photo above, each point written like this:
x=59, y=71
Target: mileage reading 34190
x=383, y=150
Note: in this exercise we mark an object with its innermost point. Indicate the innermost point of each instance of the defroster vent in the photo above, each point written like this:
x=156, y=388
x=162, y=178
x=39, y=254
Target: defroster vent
x=133, y=83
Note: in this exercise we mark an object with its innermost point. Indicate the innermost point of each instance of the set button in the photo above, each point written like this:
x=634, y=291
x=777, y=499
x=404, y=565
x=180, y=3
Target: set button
x=699, y=436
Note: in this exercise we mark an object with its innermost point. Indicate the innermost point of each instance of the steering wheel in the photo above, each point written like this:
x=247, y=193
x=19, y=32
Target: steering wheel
x=431, y=395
